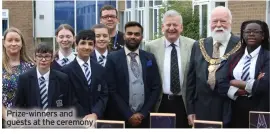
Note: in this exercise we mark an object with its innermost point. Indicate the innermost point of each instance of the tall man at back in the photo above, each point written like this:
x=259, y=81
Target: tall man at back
x=109, y=17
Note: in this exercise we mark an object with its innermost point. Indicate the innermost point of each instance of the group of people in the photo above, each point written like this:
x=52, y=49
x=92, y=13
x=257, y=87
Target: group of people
x=219, y=78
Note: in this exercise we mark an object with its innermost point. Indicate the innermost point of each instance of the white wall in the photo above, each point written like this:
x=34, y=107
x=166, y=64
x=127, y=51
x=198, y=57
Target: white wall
x=45, y=27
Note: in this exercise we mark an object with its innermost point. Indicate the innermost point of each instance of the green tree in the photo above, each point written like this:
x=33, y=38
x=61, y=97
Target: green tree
x=191, y=20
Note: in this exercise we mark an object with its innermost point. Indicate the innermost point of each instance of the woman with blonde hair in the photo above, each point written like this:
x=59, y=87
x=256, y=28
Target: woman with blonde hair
x=15, y=61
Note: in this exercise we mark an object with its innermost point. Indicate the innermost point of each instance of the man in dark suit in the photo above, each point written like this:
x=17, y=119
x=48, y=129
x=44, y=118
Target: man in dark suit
x=43, y=87
x=87, y=79
x=133, y=80
x=203, y=100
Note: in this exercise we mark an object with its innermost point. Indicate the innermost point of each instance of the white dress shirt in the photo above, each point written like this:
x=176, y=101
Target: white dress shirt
x=98, y=55
x=167, y=66
x=81, y=62
x=46, y=76
x=71, y=57
x=223, y=46
x=238, y=71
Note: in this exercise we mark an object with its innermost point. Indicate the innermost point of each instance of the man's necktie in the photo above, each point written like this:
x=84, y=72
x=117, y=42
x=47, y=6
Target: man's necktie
x=64, y=61
x=101, y=60
x=43, y=93
x=134, y=64
x=212, y=72
x=87, y=73
x=245, y=74
x=175, y=78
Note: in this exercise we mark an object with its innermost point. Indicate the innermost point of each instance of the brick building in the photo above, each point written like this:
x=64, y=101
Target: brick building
x=19, y=14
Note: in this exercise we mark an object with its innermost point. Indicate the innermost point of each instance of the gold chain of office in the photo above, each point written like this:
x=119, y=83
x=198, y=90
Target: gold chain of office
x=218, y=60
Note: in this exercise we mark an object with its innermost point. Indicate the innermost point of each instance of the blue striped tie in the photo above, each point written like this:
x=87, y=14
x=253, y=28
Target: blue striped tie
x=245, y=74
x=87, y=73
x=64, y=61
x=101, y=60
x=43, y=93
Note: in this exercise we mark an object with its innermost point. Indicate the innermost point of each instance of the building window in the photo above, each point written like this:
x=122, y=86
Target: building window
x=128, y=4
x=141, y=3
x=84, y=20
x=204, y=20
x=64, y=12
x=220, y=4
x=158, y=2
x=5, y=20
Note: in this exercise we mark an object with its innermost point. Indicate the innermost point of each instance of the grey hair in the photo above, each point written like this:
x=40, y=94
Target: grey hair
x=227, y=9
x=172, y=13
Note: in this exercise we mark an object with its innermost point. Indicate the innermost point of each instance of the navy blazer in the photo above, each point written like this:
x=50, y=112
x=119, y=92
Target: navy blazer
x=28, y=93
x=260, y=89
x=87, y=100
x=118, y=83
x=55, y=65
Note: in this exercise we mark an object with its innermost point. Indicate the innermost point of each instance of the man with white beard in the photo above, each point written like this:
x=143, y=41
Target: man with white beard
x=203, y=100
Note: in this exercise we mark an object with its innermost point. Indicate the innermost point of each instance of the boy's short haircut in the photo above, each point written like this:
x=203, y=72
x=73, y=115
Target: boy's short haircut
x=97, y=26
x=85, y=35
x=44, y=47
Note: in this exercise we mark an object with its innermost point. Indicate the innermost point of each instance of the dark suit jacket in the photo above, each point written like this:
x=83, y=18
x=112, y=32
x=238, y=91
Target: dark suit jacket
x=28, y=93
x=87, y=100
x=93, y=56
x=201, y=99
x=260, y=89
x=56, y=66
x=118, y=83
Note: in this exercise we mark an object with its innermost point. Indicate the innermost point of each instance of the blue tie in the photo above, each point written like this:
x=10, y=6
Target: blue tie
x=64, y=61
x=245, y=74
x=87, y=73
x=101, y=60
x=43, y=93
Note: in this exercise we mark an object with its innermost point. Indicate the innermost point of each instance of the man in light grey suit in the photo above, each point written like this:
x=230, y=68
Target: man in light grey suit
x=172, y=52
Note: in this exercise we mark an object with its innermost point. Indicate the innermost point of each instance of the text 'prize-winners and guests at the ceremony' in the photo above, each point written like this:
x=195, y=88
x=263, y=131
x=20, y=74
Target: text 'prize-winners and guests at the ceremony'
x=221, y=81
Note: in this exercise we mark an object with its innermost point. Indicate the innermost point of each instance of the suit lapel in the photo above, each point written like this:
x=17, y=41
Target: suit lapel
x=77, y=70
x=93, y=73
x=160, y=54
x=231, y=44
x=123, y=60
x=93, y=55
x=143, y=60
x=35, y=86
x=183, y=56
x=52, y=87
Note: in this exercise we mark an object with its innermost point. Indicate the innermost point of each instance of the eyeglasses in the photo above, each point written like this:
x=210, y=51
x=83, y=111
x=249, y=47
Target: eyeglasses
x=40, y=57
x=254, y=32
x=109, y=16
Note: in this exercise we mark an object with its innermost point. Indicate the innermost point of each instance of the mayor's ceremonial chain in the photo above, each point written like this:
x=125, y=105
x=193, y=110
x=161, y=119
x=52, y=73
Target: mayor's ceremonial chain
x=216, y=61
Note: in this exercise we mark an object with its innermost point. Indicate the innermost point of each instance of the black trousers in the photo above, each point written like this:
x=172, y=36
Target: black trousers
x=240, y=112
x=175, y=104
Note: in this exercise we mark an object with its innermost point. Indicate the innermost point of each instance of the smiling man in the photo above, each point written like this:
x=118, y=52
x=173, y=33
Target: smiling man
x=172, y=53
x=203, y=100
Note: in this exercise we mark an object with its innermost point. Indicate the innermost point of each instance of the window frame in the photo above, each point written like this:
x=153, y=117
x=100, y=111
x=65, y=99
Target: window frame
x=6, y=17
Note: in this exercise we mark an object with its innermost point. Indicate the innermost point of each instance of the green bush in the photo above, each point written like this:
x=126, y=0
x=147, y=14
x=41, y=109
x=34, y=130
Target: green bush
x=191, y=20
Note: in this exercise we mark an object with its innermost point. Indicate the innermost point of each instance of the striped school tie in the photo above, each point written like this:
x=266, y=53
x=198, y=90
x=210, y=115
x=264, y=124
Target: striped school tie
x=43, y=93
x=245, y=74
x=101, y=60
x=87, y=73
x=64, y=61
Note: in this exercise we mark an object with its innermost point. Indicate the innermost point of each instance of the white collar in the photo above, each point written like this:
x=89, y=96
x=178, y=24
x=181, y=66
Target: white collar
x=46, y=75
x=98, y=54
x=81, y=62
x=70, y=57
x=254, y=53
x=167, y=43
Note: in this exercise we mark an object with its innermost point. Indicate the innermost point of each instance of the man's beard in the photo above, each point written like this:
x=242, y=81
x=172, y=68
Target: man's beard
x=220, y=36
x=132, y=47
